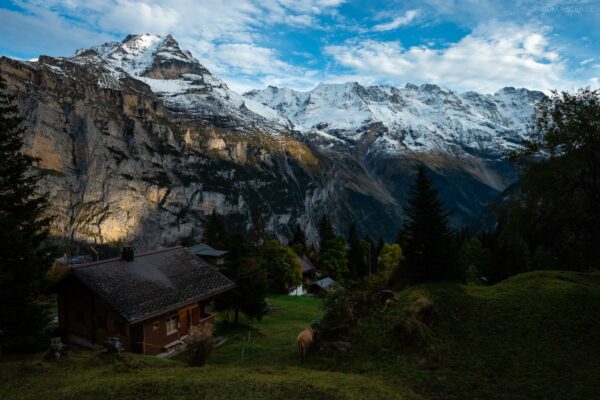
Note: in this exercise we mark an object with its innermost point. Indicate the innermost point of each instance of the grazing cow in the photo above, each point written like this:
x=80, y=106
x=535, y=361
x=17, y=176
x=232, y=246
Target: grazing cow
x=388, y=303
x=305, y=340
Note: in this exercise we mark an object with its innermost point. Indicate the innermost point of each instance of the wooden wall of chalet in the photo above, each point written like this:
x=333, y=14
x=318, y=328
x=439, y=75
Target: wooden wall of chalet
x=86, y=317
x=155, y=329
x=89, y=320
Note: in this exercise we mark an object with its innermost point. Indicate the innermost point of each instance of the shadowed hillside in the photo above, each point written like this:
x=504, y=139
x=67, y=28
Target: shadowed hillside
x=534, y=336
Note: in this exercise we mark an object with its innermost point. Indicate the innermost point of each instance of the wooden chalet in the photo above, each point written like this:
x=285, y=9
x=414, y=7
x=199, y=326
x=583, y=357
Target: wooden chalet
x=322, y=286
x=148, y=300
x=309, y=271
x=209, y=253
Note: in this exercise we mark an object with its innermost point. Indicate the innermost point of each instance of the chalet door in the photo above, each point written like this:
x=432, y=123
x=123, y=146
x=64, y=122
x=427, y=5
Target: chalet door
x=183, y=322
x=137, y=338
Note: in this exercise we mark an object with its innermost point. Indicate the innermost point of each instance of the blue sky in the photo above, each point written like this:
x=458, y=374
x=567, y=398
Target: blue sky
x=464, y=45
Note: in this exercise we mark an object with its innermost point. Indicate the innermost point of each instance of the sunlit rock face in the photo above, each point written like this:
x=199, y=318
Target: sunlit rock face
x=121, y=165
x=139, y=142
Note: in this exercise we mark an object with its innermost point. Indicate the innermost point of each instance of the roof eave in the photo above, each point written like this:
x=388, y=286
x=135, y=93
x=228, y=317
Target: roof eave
x=177, y=305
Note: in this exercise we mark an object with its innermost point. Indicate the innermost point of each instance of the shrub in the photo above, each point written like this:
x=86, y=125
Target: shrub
x=199, y=345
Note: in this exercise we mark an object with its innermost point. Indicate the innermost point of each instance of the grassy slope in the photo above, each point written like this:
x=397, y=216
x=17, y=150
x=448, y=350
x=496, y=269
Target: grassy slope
x=270, y=369
x=534, y=336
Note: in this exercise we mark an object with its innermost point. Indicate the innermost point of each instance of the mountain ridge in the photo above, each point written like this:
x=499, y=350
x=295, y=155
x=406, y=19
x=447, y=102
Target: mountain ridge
x=141, y=141
x=414, y=115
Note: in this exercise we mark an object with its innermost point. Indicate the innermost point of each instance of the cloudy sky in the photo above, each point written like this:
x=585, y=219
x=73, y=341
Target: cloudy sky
x=464, y=45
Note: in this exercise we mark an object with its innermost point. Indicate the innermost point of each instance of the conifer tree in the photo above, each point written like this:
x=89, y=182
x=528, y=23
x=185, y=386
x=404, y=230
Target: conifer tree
x=258, y=234
x=214, y=233
x=326, y=231
x=23, y=258
x=356, y=254
x=298, y=242
x=243, y=267
x=426, y=239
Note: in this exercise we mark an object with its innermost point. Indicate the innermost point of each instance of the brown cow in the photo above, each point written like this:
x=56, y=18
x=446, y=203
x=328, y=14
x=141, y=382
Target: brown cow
x=305, y=340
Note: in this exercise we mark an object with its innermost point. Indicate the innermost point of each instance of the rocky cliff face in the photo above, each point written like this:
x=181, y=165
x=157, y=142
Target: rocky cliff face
x=461, y=137
x=139, y=142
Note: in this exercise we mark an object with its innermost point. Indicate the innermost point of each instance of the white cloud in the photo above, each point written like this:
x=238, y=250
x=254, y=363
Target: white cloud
x=223, y=35
x=489, y=58
x=251, y=59
x=141, y=16
x=397, y=22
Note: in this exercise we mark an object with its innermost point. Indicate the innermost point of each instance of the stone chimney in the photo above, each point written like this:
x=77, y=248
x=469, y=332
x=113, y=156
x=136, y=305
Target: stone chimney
x=127, y=254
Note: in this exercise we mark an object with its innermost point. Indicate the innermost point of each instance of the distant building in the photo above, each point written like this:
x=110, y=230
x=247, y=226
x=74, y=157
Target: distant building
x=208, y=253
x=75, y=260
x=309, y=272
x=321, y=287
x=148, y=300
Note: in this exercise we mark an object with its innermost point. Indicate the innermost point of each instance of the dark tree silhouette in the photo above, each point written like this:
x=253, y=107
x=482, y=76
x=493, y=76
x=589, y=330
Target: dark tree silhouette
x=243, y=267
x=298, y=242
x=555, y=210
x=356, y=254
x=426, y=240
x=23, y=258
x=326, y=231
x=215, y=233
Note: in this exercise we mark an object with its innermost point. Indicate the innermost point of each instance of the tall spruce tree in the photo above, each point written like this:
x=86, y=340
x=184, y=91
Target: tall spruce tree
x=298, y=242
x=356, y=254
x=426, y=239
x=326, y=231
x=244, y=268
x=23, y=258
x=215, y=233
x=258, y=233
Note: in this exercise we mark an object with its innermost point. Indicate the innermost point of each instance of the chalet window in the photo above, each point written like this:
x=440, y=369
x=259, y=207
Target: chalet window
x=172, y=323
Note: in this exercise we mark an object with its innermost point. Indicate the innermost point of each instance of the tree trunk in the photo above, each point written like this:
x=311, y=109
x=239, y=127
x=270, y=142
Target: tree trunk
x=237, y=315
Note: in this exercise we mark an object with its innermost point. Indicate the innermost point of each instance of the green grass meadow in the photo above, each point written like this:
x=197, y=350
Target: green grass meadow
x=534, y=336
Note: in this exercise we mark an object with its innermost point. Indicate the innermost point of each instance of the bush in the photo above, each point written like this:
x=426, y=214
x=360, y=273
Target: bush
x=199, y=345
x=338, y=317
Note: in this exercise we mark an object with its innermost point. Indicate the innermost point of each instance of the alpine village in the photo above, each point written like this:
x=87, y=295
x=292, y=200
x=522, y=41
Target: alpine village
x=171, y=234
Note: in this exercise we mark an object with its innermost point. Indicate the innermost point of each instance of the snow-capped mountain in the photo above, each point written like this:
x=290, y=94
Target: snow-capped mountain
x=179, y=79
x=139, y=141
x=421, y=118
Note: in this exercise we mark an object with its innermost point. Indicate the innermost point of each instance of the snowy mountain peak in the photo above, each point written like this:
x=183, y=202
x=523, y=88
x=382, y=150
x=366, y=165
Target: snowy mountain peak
x=427, y=117
x=150, y=55
x=184, y=84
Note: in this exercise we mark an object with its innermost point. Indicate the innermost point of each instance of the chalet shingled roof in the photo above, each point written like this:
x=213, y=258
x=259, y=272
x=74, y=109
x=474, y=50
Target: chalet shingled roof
x=307, y=265
x=153, y=283
x=204, y=249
